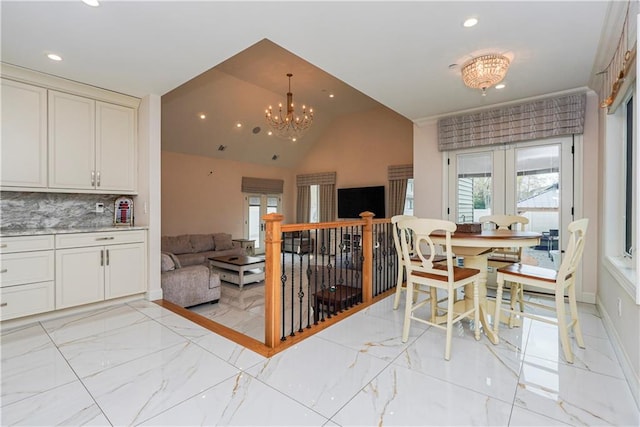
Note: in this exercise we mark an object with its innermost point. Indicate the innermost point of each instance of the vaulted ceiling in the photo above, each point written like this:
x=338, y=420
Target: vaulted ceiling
x=229, y=60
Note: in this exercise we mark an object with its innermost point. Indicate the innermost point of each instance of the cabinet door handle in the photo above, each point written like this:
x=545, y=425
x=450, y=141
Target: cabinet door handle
x=4, y=304
x=4, y=270
x=98, y=179
x=4, y=245
x=93, y=178
x=107, y=256
x=101, y=257
x=105, y=238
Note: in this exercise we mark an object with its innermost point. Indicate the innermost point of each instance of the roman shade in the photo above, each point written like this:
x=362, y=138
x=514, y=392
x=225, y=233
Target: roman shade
x=316, y=179
x=262, y=185
x=533, y=120
x=400, y=172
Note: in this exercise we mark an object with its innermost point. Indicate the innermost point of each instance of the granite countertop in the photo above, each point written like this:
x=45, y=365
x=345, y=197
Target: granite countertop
x=67, y=230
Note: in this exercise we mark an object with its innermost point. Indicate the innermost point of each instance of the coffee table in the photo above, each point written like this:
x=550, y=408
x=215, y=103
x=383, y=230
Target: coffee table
x=238, y=269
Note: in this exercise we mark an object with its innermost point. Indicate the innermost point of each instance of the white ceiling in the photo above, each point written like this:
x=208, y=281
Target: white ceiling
x=397, y=53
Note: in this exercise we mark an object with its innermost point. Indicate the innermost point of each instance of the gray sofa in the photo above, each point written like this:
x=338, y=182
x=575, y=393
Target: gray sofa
x=186, y=278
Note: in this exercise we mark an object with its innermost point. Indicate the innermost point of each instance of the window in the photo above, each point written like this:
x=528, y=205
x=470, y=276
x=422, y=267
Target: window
x=408, y=201
x=630, y=170
x=314, y=209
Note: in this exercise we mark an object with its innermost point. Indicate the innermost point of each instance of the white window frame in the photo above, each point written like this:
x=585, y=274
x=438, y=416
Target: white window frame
x=622, y=266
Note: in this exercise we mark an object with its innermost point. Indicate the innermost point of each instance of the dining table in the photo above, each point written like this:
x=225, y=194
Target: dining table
x=474, y=248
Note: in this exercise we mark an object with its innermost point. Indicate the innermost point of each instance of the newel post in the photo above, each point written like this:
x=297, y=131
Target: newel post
x=272, y=290
x=367, y=262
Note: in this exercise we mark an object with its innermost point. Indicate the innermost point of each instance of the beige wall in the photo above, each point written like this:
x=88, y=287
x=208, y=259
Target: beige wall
x=359, y=148
x=195, y=201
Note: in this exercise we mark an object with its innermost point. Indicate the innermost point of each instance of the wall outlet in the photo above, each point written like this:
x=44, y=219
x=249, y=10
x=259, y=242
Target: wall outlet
x=619, y=307
x=99, y=207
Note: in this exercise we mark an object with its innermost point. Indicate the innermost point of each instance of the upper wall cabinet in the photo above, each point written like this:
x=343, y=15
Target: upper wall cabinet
x=24, y=135
x=92, y=144
x=63, y=136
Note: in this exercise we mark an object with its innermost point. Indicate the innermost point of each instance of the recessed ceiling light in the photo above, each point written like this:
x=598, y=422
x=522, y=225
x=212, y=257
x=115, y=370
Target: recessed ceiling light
x=331, y=95
x=501, y=86
x=470, y=22
x=294, y=139
x=93, y=3
x=238, y=125
x=269, y=133
x=54, y=57
x=203, y=116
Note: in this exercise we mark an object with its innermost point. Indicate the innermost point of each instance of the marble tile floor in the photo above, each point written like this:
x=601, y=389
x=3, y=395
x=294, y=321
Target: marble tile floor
x=140, y=364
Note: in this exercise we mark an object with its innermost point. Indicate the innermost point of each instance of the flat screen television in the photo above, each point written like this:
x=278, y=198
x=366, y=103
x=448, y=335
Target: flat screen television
x=353, y=201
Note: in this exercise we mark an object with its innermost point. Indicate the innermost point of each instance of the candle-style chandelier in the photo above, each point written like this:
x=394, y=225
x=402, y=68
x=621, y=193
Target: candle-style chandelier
x=287, y=124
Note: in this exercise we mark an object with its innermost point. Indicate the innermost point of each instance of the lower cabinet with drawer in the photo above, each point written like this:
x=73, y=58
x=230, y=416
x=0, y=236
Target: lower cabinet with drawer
x=26, y=276
x=99, y=266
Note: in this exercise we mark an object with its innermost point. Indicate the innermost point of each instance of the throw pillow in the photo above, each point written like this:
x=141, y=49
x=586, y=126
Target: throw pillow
x=223, y=241
x=166, y=263
x=175, y=260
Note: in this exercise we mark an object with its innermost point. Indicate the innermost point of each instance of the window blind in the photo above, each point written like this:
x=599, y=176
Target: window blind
x=534, y=120
x=262, y=185
x=316, y=179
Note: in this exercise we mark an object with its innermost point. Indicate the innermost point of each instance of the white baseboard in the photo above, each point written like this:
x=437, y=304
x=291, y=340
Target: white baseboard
x=633, y=378
x=588, y=297
x=154, y=294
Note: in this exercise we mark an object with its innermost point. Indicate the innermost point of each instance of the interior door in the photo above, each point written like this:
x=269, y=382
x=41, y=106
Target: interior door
x=258, y=205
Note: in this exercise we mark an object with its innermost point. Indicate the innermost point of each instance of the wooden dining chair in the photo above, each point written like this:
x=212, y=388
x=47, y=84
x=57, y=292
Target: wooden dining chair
x=425, y=274
x=505, y=222
x=401, y=285
x=555, y=281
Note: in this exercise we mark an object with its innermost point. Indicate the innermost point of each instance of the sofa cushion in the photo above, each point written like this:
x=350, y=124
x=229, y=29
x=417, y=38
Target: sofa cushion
x=166, y=263
x=202, y=242
x=192, y=259
x=223, y=241
x=176, y=244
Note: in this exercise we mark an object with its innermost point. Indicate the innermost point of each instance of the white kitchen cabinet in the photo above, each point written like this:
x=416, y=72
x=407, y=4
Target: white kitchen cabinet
x=26, y=276
x=92, y=144
x=92, y=267
x=71, y=141
x=23, y=143
x=116, y=148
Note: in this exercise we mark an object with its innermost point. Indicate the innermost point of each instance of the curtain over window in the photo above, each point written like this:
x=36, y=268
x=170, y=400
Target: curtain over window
x=534, y=120
x=327, y=199
x=398, y=177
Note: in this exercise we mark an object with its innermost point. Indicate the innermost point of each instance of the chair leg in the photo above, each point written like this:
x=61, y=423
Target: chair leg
x=516, y=297
x=562, y=326
x=407, y=311
x=476, y=309
x=573, y=309
x=434, y=304
x=447, y=350
x=496, y=317
x=396, y=300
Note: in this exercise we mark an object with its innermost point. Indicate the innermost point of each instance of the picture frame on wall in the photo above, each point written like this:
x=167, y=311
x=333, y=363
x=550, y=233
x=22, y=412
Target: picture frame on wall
x=123, y=211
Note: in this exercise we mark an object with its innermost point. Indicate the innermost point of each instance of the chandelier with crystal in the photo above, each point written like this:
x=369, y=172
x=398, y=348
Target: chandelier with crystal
x=485, y=71
x=287, y=124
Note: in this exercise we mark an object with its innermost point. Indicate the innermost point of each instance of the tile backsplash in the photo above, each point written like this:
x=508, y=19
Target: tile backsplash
x=22, y=210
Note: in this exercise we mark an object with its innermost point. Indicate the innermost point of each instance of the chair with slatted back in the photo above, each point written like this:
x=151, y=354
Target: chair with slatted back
x=506, y=222
x=550, y=280
x=501, y=257
x=425, y=274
